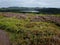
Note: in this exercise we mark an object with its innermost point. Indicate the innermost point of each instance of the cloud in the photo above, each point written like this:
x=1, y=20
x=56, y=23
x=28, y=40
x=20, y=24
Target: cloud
x=30, y=3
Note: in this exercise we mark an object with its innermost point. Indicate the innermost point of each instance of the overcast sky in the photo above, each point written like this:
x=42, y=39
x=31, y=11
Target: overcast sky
x=30, y=3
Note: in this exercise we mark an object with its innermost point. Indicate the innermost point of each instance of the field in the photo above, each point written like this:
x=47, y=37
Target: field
x=31, y=29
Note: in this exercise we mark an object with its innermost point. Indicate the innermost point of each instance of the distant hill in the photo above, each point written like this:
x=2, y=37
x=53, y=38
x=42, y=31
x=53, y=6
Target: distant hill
x=29, y=10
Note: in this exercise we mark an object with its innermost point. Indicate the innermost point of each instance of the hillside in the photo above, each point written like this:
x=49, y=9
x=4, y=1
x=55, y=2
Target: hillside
x=31, y=29
x=30, y=10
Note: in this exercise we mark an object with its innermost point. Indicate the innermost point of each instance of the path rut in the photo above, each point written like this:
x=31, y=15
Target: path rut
x=4, y=40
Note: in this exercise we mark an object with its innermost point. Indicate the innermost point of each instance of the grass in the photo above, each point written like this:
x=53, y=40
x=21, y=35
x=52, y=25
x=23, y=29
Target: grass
x=24, y=32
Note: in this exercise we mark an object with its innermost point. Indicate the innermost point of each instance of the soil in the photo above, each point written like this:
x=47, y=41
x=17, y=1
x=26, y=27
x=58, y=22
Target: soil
x=4, y=40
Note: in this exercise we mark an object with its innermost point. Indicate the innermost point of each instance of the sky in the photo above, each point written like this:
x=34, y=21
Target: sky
x=30, y=3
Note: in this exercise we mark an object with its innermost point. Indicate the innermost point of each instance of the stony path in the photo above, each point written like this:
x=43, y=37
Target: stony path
x=4, y=40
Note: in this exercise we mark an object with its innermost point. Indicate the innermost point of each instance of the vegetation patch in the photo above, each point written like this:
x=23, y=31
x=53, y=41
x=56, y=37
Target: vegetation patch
x=27, y=32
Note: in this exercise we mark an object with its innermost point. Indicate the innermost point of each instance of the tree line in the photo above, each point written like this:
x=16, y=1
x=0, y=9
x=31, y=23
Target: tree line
x=40, y=10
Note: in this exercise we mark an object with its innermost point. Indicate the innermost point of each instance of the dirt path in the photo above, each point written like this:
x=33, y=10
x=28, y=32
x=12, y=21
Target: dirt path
x=4, y=40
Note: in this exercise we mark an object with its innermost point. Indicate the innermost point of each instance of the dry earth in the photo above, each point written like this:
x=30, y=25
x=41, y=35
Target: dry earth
x=4, y=40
